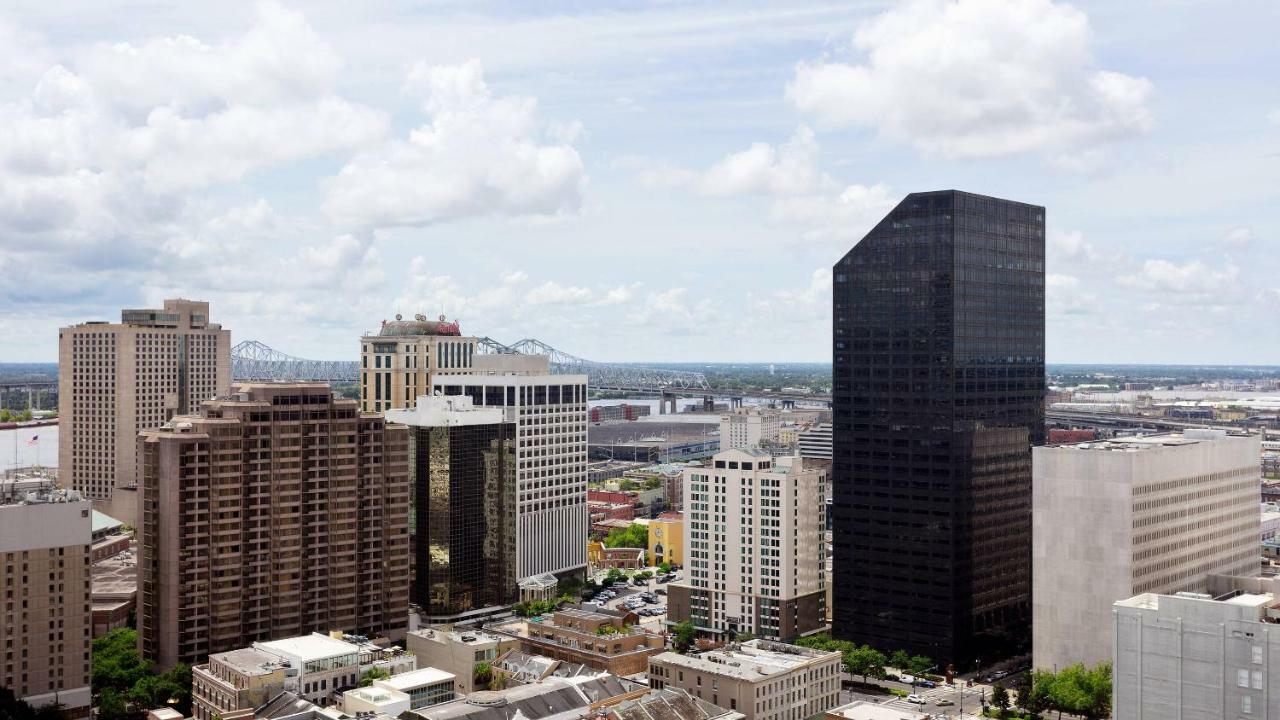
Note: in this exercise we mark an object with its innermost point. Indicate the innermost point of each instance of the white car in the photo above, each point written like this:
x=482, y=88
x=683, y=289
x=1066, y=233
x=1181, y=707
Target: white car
x=913, y=698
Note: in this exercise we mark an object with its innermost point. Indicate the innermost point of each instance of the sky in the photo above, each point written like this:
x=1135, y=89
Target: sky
x=630, y=181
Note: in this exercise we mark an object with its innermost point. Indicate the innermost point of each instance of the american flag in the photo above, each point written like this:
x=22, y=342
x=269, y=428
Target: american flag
x=34, y=439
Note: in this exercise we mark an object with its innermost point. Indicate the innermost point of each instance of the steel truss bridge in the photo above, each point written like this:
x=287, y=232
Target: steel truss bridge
x=253, y=360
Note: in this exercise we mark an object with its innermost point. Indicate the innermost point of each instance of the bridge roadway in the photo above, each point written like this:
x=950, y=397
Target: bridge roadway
x=1113, y=420
x=669, y=395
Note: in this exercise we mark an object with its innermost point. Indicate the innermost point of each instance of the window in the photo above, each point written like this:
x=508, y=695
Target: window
x=1257, y=654
x=1257, y=679
x=1242, y=678
x=1246, y=704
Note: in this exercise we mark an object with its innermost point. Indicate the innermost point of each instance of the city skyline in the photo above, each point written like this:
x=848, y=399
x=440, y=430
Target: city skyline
x=702, y=162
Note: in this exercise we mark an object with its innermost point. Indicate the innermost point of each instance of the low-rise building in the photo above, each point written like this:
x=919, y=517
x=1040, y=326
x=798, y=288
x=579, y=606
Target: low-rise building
x=457, y=651
x=600, y=557
x=666, y=539
x=235, y=682
x=375, y=699
x=1198, y=655
x=114, y=591
x=763, y=680
x=427, y=686
x=552, y=698
x=815, y=442
x=609, y=640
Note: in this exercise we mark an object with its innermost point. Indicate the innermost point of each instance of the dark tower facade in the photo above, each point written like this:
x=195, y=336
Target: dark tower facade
x=464, y=503
x=938, y=354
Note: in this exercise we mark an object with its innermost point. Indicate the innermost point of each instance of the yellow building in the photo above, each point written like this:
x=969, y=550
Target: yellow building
x=666, y=539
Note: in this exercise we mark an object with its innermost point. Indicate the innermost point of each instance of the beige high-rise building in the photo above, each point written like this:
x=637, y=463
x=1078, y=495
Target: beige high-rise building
x=115, y=379
x=398, y=363
x=754, y=546
x=277, y=511
x=1112, y=519
x=45, y=607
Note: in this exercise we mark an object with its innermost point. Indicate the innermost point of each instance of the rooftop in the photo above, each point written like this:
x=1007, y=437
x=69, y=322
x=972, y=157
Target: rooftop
x=249, y=661
x=553, y=698
x=467, y=637
x=863, y=710
x=450, y=411
x=1149, y=442
x=103, y=522
x=316, y=646
x=419, y=326
x=417, y=678
x=753, y=660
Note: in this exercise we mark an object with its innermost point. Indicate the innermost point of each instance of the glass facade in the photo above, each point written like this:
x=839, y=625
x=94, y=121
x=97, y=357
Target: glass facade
x=938, y=355
x=464, y=507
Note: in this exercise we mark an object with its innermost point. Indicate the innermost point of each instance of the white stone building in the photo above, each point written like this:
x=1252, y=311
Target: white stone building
x=749, y=427
x=754, y=546
x=1116, y=518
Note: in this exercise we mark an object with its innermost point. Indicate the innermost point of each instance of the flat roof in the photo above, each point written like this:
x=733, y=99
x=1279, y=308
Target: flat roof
x=315, y=646
x=753, y=660
x=248, y=661
x=417, y=678
x=1148, y=442
x=863, y=710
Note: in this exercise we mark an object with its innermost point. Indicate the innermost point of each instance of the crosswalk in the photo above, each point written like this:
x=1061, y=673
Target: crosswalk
x=949, y=697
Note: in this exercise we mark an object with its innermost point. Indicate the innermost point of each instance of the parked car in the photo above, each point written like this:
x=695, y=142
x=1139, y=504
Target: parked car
x=661, y=591
x=916, y=699
x=926, y=683
x=944, y=703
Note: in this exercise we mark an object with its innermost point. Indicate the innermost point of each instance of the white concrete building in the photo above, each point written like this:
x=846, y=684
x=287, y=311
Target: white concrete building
x=754, y=547
x=1115, y=518
x=1199, y=657
x=550, y=413
x=319, y=664
x=748, y=427
x=815, y=442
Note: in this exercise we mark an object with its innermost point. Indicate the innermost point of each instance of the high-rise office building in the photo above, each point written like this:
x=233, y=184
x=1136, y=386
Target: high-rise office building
x=398, y=362
x=277, y=511
x=749, y=427
x=938, y=353
x=753, y=537
x=464, y=505
x=45, y=605
x=550, y=414
x=1117, y=518
x=115, y=379
x=815, y=442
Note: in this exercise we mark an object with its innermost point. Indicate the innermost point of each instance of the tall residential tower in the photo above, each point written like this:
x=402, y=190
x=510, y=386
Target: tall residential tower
x=276, y=511
x=115, y=379
x=938, y=353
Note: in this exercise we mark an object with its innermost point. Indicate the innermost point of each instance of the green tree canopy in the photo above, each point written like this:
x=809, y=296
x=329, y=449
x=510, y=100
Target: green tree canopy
x=373, y=673
x=634, y=535
x=865, y=661
x=683, y=635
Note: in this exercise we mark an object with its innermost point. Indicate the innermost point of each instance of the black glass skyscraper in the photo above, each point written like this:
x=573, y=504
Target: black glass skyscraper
x=938, y=355
x=464, y=508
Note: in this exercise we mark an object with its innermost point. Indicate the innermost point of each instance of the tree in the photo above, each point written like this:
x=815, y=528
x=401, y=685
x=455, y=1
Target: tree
x=919, y=664
x=111, y=705
x=865, y=661
x=483, y=674
x=683, y=635
x=117, y=665
x=664, y=568
x=373, y=673
x=1000, y=698
x=1080, y=690
x=634, y=535
x=900, y=660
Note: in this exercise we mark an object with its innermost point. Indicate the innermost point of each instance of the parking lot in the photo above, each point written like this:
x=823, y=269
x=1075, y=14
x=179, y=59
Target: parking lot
x=648, y=600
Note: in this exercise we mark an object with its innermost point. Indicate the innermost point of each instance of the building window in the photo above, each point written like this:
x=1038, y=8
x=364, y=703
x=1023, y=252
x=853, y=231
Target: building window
x=1257, y=654
x=1242, y=678
x=1246, y=705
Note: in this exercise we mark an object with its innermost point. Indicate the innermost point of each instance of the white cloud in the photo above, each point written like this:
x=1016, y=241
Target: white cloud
x=1064, y=295
x=553, y=293
x=846, y=215
x=1239, y=237
x=1274, y=116
x=976, y=78
x=788, y=169
x=479, y=154
x=1192, y=276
